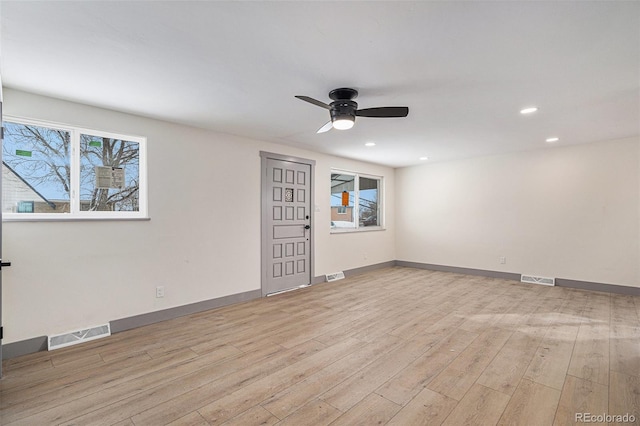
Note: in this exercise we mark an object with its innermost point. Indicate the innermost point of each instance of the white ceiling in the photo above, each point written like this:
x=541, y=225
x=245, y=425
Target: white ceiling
x=464, y=69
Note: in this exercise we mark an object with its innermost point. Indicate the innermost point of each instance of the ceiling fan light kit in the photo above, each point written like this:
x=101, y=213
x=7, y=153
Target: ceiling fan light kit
x=343, y=110
x=343, y=123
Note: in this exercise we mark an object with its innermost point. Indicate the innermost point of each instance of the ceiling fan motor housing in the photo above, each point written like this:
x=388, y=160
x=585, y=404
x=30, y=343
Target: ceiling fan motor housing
x=343, y=110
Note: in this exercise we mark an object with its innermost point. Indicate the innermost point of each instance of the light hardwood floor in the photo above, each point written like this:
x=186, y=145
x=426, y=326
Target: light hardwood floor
x=396, y=346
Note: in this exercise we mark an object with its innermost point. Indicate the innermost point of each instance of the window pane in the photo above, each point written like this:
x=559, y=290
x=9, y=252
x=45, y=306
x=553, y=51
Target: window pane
x=342, y=187
x=109, y=174
x=36, y=171
x=369, y=202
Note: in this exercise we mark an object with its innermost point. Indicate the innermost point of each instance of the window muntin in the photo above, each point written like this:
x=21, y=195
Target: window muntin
x=54, y=168
x=356, y=201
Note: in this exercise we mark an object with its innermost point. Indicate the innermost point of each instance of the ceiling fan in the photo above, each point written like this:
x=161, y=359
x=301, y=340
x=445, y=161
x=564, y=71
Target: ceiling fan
x=344, y=109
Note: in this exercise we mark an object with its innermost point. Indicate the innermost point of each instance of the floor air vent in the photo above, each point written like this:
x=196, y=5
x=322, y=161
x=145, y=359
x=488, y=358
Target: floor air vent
x=80, y=336
x=335, y=276
x=537, y=280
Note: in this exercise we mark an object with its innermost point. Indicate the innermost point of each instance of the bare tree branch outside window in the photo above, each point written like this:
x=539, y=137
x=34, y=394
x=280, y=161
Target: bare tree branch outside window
x=101, y=151
x=39, y=165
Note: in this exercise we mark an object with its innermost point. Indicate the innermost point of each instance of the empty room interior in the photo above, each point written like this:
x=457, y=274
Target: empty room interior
x=314, y=213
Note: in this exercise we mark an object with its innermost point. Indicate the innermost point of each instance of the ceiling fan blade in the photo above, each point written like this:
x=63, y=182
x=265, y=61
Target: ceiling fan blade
x=326, y=127
x=383, y=112
x=313, y=101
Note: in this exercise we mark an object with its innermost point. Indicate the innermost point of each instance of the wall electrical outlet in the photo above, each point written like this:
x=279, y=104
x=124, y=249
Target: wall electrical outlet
x=503, y=259
x=160, y=291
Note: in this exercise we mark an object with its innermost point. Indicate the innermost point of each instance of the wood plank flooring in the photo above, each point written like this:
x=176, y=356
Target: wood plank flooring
x=396, y=346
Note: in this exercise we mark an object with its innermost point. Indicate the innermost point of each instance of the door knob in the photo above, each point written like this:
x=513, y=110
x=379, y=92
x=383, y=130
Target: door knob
x=307, y=227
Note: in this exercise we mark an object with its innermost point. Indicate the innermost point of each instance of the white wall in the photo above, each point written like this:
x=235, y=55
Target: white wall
x=202, y=242
x=564, y=212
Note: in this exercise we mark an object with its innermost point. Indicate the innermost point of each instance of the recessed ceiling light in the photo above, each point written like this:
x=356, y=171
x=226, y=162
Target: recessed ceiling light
x=424, y=158
x=554, y=139
x=528, y=110
x=370, y=144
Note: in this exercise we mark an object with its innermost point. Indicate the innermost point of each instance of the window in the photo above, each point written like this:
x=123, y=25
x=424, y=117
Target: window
x=25, y=207
x=356, y=201
x=51, y=171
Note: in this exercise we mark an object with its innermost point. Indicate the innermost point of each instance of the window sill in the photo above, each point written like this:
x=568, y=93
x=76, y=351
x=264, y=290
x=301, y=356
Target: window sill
x=70, y=219
x=355, y=230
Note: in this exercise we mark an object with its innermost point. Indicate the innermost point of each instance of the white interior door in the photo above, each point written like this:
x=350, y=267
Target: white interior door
x=286, y=225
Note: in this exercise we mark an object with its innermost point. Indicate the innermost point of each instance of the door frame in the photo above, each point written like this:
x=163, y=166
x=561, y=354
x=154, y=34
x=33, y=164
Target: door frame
x=264, y=250
x=1, y=140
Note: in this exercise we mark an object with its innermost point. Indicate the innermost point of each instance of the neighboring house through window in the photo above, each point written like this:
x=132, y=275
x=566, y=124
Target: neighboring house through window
x=356, y=201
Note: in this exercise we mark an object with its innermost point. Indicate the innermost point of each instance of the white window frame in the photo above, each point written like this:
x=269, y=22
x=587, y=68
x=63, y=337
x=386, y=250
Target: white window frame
x=74, y=196
x=356, y=204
